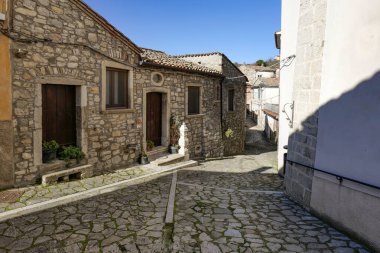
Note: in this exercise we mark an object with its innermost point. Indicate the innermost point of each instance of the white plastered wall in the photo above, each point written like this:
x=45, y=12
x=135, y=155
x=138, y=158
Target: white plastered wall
x=289, y=29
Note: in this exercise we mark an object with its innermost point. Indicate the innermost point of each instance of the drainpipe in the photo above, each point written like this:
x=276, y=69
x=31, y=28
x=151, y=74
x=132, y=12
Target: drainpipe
x=221, y=106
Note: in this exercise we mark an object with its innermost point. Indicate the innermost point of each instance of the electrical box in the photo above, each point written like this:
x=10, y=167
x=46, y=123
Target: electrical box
x=2, y=16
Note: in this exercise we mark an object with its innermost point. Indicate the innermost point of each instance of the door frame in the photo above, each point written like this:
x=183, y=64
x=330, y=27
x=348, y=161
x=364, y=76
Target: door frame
x=81, y=107
x=165, y=114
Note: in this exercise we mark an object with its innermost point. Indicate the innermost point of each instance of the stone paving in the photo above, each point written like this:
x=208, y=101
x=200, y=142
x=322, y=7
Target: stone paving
x=230, y=205
x=39, y=193
x=128, y=220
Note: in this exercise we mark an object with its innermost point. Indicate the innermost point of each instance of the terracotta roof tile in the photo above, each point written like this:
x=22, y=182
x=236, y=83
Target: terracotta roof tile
x=195, y=55
x=159, y=58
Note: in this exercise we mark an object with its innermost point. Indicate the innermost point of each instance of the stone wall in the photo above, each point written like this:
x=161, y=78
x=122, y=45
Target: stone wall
x=306, y=90
x=63, y=44
x=77, y=48
x=204, y=129
x=233, y=119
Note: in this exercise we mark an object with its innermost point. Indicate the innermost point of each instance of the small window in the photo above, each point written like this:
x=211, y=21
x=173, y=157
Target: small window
x=157, y=78
x=231, y=99
x=193, y=100
x=117, y=88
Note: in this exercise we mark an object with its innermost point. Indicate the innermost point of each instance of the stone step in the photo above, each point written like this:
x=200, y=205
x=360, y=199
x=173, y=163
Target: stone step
x=168, y=159
x=157, y=152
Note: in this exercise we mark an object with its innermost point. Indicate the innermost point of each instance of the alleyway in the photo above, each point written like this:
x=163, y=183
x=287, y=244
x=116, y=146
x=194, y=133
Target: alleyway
x=230, y=205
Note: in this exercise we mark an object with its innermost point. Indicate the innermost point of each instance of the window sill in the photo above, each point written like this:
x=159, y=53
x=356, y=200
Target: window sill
x=113, y=111
x=194, y=116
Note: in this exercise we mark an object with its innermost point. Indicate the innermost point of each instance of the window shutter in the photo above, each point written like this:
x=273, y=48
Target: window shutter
x=193, y=100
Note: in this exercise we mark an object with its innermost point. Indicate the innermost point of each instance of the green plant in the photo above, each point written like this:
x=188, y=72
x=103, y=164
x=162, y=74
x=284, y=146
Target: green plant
x=143, y=154
x=50, y=145
x=229, y=133
x=175, y=120
x=71, y=152
x=260, y=63
x=149, y=145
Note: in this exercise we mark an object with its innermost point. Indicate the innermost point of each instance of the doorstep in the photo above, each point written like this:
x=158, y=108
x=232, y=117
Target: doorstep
x=38, y=198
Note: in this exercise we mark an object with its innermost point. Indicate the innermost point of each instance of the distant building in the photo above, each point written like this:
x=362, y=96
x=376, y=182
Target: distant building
x=262, y=97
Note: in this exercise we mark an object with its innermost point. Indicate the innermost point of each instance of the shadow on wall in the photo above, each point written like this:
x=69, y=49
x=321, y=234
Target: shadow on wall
x=341, y=138
x=347, y=124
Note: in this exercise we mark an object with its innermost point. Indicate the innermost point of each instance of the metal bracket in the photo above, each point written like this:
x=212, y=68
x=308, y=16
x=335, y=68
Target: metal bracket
x=290, y=119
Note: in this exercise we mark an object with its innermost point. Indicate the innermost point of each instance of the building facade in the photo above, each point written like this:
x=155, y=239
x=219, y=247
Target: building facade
x=71, y=76
x=332, y=166
x=232, y=98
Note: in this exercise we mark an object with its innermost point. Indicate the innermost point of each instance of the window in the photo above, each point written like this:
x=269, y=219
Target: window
x=193, y=100
x=117, y=88
x=157, y=78
x=218, y=92
x=231, y=98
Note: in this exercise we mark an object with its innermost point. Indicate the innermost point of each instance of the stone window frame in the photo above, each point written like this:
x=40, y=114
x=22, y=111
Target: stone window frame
x=201, y=109
x=157, y=83
x=103, y=100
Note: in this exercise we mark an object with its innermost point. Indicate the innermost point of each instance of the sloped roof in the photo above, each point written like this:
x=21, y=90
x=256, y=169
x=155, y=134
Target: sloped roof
x=105, y=24
x=257, y=68
x=212, y=53
x=198, y=55
x=157, y=58
x=268, y=82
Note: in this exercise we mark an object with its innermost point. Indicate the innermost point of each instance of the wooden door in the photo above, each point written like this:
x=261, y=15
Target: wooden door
x=58, y=114
x=154, y=118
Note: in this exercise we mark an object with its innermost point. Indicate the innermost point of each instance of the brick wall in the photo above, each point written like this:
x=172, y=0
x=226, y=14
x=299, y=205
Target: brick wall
x=306, y=90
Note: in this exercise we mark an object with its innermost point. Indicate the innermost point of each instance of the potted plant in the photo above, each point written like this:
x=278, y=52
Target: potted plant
x=72, y=155
x=174, y=133
x=149, y=145
x=49, y=150
x=144, y=158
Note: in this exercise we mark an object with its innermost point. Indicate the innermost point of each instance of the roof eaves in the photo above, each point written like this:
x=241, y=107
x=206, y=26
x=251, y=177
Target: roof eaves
x=196, y=55
x=155, y=64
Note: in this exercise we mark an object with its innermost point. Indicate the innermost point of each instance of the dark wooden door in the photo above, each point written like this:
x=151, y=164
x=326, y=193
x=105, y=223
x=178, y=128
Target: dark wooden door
x=58, y=114
x=154, y=118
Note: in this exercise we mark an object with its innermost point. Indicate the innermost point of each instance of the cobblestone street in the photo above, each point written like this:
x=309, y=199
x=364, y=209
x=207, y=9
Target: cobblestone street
x=230, y=205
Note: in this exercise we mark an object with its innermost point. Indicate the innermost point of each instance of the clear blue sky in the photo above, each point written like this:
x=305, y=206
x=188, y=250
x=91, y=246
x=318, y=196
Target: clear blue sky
x=241, y=29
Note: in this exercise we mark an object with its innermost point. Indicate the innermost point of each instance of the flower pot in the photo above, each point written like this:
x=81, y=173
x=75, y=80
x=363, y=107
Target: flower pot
x=144, y=160
x=173, y=150
x=71, y=163
x=49, y=155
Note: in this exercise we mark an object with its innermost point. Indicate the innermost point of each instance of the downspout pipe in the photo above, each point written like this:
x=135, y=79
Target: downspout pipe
x=221, y=106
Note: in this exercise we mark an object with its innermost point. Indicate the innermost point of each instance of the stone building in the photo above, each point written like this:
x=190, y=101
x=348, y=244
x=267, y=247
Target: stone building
x=331, y=102
x=232, y=96
x=71, y=76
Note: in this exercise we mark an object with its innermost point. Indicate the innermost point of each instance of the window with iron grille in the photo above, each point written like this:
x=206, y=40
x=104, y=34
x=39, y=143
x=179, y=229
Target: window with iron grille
x=117, y=88
x=193, y=99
